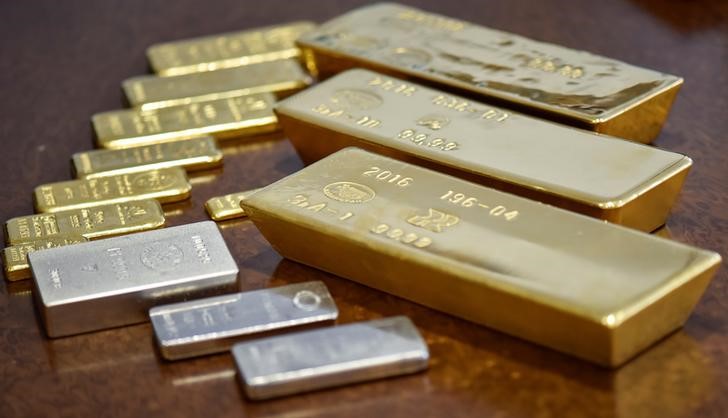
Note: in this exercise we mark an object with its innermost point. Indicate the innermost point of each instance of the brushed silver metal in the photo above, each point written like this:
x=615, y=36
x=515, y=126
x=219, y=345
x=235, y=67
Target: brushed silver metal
x=212, y=325
x=114, y=282
x=310, y=360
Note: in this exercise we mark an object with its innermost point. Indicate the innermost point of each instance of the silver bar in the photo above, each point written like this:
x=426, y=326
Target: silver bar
x=212, y=325
x=310, y=360
x=113, y=282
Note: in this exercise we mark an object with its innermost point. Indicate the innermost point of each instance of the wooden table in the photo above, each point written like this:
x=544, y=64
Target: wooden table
x=63, y=61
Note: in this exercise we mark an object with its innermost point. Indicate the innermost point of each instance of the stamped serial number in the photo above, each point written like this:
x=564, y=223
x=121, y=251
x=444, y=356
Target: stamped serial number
x=401, y=235
x=461, y=199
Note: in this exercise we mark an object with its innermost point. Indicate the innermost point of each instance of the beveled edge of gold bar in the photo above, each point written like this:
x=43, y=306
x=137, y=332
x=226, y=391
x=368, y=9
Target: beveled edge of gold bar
x=633, y=111
x=164, y=71
x=226, y=214
x=201, y=162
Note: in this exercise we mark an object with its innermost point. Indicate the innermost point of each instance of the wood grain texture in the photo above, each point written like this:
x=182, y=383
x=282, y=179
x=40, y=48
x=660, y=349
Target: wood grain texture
x=63, y=61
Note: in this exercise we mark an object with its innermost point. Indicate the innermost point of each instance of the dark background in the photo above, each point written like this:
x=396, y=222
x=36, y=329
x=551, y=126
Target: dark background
x=61, y=61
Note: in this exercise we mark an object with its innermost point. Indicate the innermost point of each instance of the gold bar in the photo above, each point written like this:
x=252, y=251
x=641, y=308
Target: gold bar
x=222, y=118
x=15, y=258
x=165, y=185
x=584, y=287
x=222, y=208
x=565, y=85
x=282, y=77
x=191, y=154
x=91, y=223
x=606, y=178
x=227, y=50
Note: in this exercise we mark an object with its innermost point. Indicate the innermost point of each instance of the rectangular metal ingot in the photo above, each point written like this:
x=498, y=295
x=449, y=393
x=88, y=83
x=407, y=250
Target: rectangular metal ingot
x=91, y=222
x=113, y=282
x=607, y=178
x=282, y=77
x=222, y=208
x=227, y=50
x=191, y=154
x=212, y=325
x=164, y=185
x=592, y=289
x=221, y=118
x=545, y=80
x=323, y=358
x=15, y=257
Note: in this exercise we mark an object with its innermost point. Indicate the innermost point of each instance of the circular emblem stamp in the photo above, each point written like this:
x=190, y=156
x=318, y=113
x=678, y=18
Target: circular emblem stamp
x=409, y=57
x=351, y=99
x=160, y=256
x=152, y=180
x=307, y=300
x=349, y=192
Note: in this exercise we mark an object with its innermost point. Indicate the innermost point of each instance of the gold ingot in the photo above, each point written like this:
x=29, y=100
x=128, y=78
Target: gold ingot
x=221, y=118
x=91, y=223
x=190, y=154
x=227, y=50
x=607, y=178
x=282, y=77
x=588, y=288
x=164, y=185
x=15, y=258
x=222, y=208
x=565, y=85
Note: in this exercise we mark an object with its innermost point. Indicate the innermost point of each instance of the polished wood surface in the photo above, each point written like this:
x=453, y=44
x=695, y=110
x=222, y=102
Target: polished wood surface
x=63, y=61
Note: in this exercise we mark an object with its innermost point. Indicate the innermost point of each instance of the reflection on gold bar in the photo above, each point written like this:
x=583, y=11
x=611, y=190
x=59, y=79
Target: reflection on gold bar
x=94, y=222
x=221, y=208
x=227, y=50
x=165, y=185
x=15, y=258
x=282, y=77
x=191, y=154
x=222, y=118
x=588, y=288
x=562, y=84
x=606, y=178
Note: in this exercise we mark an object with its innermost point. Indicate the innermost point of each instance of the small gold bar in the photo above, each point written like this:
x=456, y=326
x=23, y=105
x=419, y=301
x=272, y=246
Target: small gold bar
x=588, y=288
x=164, y=185
x=191, y=154
x=15, y=258
x=93, y=222
x=607, y=178
x=222, y=208
x=565, y=85
x=282, y=77
x=227, y=50
x=222, y=118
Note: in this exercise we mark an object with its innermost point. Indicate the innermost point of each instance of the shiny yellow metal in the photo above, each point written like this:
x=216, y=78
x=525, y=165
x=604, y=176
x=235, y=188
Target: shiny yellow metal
x=164, y=185
x=222, y=208
x=562, y=84
x=227, y=50
x=607, y=178
x=191, y=154
x=15, y=258
x=588, y=288
x=282, y=77
x=93, y=222
x=222, y=118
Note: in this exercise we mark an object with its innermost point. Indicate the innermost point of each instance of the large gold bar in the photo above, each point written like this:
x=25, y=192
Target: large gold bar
x=93, y=222
x=165, y=185
x=227, y=50
x=191, y=154
x=222, y=118
x=282, y=77
x=222, y=208
x=606, y=178
x=15, y=258
x=565, y=85
x=588, y=288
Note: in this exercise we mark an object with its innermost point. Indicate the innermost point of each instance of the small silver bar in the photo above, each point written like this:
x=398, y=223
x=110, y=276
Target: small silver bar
x=113, y=282
x=310, y=360
x=212, y=325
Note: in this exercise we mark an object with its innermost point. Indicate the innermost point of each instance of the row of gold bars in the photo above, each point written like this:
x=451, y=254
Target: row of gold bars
x=561, y=127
